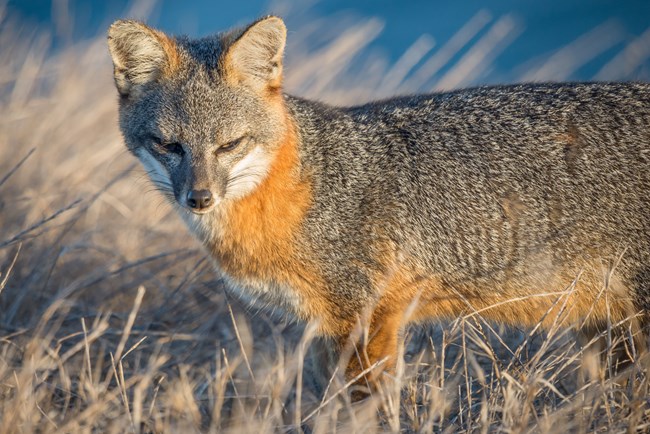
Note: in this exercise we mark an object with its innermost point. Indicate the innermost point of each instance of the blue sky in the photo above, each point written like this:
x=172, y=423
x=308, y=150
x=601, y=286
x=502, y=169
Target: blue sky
x=542, y=27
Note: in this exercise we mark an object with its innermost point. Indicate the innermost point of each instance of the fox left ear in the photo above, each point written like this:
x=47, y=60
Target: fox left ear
x=255, y=57
x=141, y=55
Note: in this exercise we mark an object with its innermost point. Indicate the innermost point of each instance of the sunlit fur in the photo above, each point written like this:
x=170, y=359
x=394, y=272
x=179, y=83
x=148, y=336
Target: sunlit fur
x=490, y=200
x=247, y=173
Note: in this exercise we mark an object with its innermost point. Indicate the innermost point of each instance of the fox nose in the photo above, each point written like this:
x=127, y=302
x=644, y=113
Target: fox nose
x=199, y=199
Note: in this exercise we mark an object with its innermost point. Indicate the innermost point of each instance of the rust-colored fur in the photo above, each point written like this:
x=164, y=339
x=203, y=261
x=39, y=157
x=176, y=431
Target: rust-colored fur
x=571, y=296
x=169, y=47
x=261, y=234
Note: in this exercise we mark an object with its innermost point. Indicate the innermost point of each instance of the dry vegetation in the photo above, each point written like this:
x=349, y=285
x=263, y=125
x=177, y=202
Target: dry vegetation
x=112, y=319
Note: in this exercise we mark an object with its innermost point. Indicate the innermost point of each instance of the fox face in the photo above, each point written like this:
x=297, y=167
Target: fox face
x=203, y=116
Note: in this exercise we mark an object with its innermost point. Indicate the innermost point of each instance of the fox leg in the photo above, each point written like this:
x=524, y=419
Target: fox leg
x=619, y=346
x=376, y=349
x=373, y=350
x=369, y=352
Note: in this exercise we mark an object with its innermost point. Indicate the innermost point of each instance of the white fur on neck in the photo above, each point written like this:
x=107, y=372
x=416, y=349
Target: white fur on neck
x=250, y=171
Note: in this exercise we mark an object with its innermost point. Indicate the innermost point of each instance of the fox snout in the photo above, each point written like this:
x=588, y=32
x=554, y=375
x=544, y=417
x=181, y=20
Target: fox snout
x=199, y=201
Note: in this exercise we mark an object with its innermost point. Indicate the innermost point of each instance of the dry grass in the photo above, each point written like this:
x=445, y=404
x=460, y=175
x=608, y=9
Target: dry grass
x=112, y=319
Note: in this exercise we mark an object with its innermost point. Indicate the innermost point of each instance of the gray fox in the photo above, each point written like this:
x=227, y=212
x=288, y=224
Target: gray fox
x=520, y=203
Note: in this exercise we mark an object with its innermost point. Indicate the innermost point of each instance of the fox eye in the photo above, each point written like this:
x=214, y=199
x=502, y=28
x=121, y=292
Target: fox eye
x=168, y=148
x=232, y=144
x=174, y=148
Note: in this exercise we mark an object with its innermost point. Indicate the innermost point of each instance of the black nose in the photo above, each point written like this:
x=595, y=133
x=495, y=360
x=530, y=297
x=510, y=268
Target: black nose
x=199, y=199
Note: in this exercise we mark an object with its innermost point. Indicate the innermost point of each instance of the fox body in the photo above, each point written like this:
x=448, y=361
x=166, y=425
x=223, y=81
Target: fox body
x=519, y=202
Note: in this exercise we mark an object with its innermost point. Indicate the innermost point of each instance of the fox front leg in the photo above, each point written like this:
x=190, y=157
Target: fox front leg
x=373, y=351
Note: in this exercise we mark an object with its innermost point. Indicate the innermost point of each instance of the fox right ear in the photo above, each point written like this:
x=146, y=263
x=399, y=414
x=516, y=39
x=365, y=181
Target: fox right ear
x=140, y=55
x=255, y=57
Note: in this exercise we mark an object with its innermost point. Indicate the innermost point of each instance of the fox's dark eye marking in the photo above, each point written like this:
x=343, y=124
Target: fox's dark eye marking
x=232, y=144
x=174, y=148
x=167, y=148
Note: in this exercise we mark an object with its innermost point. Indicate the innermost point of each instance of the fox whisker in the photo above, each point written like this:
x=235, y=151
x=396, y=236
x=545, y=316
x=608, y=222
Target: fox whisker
x=248, y=178
x=247, y=171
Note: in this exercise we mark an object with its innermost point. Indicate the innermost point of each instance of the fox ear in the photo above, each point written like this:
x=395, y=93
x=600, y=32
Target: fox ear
x=255, y=57
x=140, y=55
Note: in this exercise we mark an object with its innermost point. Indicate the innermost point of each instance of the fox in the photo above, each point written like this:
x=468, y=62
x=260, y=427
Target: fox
x=520, y=203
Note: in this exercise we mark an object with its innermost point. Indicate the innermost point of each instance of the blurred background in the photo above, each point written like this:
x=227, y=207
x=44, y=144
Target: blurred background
x=415, y=45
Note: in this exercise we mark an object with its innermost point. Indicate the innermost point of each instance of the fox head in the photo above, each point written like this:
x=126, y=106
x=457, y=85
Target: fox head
x=204, y=116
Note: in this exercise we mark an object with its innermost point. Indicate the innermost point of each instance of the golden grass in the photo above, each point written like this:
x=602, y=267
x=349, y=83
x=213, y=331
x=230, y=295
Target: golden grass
x=112, y=319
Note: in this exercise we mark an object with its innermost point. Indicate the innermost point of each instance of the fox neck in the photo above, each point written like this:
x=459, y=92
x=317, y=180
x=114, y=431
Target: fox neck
x=254, y=237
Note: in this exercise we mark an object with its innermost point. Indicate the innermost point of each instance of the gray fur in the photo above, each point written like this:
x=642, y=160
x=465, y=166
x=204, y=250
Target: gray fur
x=438, y=167
x=476, y=185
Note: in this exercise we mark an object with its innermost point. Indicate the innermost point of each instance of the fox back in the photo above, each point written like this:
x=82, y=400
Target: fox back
x=519, y=203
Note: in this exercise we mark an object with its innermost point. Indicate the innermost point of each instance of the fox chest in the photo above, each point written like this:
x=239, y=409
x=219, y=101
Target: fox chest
x=263, y=293
x=258, y=267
